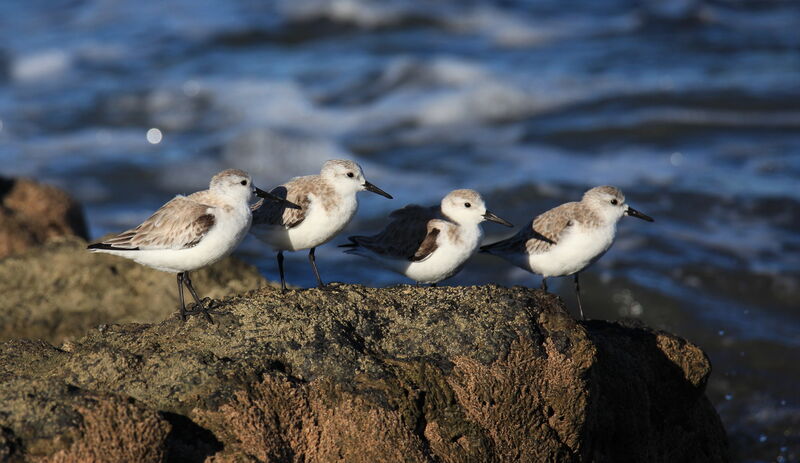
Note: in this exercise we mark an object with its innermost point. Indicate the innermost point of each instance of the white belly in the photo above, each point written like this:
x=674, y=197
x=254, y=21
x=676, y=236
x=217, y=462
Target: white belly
x=445, y=262
x=318, y=227
x=576, y=251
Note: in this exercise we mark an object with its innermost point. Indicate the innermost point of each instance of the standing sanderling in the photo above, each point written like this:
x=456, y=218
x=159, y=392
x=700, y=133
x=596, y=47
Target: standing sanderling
x=327, y=203
x=190, y=232
x=568, y=238
x=428, y=244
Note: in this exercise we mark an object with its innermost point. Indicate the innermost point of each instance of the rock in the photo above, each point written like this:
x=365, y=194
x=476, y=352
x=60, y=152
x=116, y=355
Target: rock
x=356, y=374
x=32, y=213
x=60, y=290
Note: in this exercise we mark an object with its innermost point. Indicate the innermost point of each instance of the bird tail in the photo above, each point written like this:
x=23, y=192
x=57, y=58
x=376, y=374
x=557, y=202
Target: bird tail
x=352, y=244
x=108, y=247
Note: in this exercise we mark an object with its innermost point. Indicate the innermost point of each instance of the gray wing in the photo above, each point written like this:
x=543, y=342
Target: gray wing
x=179, y=224
x=412, y=235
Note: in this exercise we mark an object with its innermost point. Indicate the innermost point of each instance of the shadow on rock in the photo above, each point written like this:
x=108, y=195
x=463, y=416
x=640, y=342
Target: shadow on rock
x=648, y=398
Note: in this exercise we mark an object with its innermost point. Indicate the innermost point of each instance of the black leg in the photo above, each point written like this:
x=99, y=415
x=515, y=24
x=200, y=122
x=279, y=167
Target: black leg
x=544, y=284
x=280, y=270
x=180, y=296
x=313, y=261
x=200, y=307
x=578, y=295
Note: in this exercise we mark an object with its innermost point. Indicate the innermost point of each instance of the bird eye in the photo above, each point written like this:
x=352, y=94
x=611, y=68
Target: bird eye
x=244, y=182
x=467, y=205
x=614, y=202
x=350, y=174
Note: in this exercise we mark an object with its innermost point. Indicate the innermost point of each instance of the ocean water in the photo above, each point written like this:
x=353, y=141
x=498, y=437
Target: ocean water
x=691, y=107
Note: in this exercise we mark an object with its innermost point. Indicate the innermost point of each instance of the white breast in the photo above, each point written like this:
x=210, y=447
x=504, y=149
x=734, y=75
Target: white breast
x=449, y=257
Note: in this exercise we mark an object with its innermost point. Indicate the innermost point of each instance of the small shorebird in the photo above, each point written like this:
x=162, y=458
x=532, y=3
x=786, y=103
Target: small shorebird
x=428, y=244
x=327, y=203
x=190, y=232
x=568, y=238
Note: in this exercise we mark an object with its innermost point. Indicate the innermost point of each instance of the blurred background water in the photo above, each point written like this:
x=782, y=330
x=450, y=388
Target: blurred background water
x=691, y=107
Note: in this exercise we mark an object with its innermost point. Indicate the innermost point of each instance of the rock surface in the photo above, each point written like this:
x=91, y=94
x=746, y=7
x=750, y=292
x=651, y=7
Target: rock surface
x=356, y=374
x=32, y=213
x=60, y=290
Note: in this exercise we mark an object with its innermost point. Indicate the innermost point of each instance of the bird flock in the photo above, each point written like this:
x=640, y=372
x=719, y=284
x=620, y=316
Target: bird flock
x=426, y=244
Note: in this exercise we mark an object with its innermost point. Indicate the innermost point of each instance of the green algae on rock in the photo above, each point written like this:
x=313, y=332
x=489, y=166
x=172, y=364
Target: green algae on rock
x=356, y=374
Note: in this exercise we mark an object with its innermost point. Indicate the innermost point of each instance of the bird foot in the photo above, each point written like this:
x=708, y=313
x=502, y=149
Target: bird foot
x=206, y=306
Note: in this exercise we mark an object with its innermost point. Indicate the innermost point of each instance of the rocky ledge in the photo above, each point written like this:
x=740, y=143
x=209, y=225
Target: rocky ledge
x=59, y=291
x=356, y=374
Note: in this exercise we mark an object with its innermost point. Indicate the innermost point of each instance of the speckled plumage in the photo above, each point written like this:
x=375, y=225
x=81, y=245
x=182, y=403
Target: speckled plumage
x=592, y=216
x=179, y=224
x=568, y=238
x=299, y=190
x=327, y=204
x=547, y=229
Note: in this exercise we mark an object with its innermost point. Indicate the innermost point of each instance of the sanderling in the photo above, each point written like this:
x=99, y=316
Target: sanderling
x=190, y=232
x=327, y=203
x=428, y=244
x=568, y=238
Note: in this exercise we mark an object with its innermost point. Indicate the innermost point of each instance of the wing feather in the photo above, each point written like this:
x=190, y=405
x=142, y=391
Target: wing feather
x=548, y=228
x=179, y=224
x=411, y=235
x=429, y=244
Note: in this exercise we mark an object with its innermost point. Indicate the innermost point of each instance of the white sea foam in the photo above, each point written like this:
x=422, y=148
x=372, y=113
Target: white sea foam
x=365, y=13
x=45, y=64
x=280, y=104
x=515, y=29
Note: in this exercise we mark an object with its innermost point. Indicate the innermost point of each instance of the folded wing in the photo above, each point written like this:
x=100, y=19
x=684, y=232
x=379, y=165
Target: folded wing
x=538, y=236
x=179, y=224
x=411, y=235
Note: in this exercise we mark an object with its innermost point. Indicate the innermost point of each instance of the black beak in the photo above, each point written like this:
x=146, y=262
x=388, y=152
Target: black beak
x=370, y=187
x=271, y=197
x=493, y=218
x=634, y=213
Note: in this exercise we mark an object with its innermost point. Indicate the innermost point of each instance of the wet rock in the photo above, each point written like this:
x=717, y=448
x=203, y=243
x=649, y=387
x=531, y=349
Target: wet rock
x=356, y=374
x=32, y=213
x=60, y=290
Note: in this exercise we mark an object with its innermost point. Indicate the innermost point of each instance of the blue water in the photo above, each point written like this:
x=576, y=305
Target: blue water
x=691, y=107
